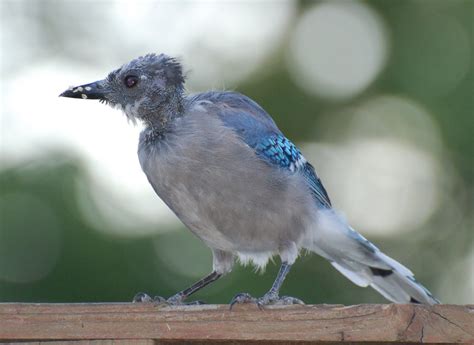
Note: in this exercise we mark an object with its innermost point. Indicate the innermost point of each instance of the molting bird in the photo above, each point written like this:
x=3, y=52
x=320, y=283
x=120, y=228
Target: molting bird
x=221, y=164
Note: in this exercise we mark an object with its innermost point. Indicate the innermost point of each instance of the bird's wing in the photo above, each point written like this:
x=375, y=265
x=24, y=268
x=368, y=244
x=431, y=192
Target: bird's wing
x=278, y=150
x=258, y=130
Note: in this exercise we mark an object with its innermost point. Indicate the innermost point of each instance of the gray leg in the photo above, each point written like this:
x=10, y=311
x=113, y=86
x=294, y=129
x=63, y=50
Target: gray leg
x=280, y=278
x=272, y=296
x=179, y=298
x=221, y=264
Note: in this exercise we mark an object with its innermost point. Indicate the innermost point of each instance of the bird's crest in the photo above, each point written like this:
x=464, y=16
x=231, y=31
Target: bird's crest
x=156, y=65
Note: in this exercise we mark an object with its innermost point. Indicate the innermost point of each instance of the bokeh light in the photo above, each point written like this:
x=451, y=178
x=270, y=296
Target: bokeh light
x=222, y=42
x=385, y=171
x=337, y=49
x=382, y=185
x=396, y=117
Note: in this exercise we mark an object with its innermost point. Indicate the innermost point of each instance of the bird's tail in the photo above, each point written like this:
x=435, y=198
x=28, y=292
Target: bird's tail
x=363, y=263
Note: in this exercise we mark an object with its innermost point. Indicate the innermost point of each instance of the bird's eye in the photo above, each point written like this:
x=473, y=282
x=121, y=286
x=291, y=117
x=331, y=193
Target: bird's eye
x=131, y=81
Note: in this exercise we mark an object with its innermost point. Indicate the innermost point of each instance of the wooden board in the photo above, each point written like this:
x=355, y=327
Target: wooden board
x=128, y=323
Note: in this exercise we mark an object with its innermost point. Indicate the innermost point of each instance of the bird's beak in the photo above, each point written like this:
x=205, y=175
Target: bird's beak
x=95, y=90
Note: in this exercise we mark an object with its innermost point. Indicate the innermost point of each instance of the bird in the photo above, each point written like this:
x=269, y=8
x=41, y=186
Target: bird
x=220, y=163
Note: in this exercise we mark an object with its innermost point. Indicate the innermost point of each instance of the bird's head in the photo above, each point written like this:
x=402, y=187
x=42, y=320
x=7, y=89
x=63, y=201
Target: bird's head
x=142, y=88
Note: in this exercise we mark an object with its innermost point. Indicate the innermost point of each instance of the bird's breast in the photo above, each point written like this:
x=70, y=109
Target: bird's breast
x=223, y=192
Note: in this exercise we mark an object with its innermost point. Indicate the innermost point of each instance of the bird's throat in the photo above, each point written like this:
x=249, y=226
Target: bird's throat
x=161, y=117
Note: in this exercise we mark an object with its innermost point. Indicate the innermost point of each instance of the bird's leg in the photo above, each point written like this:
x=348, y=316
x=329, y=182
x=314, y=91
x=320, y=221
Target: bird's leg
x=179, y=298
x=272, y=296
x=222, y=262
x=182, y=295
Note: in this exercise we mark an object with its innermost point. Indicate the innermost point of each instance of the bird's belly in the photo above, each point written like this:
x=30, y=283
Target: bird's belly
x=233, y=207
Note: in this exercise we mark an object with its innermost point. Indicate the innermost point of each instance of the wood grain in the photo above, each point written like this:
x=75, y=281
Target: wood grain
x=319, y=324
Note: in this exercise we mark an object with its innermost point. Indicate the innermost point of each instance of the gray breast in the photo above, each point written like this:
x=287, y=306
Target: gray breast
x=222, y=191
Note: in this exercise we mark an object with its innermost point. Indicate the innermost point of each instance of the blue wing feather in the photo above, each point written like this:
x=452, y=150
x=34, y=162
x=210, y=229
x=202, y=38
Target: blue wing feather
x=282, y=152
x=258, y=130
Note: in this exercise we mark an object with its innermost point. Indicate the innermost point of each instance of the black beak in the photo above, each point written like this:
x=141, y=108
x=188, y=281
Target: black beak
x=95, y=90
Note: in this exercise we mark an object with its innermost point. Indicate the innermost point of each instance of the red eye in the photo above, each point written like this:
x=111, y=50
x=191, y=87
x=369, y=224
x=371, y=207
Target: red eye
x=131, y=81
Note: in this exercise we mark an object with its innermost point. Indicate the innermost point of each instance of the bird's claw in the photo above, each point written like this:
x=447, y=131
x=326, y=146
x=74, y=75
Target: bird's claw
x=242, y=298
x=175, y=300
x=270, y=298
x=291, y=300
x=142, y=297
x=286, y=300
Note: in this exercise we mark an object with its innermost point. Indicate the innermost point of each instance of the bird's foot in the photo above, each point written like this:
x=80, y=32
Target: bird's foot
x=142, y=297
x=175, y=300
x=242, y=298
x=270, y=298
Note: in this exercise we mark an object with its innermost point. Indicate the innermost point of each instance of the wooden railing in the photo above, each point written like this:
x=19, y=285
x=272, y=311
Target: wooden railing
x=245, y=324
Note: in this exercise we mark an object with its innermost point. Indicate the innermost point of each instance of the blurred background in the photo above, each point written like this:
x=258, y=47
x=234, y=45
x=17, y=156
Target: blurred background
x=377, y=94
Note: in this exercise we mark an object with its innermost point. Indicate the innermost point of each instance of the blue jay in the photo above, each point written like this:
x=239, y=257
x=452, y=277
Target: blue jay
x=221, y=164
